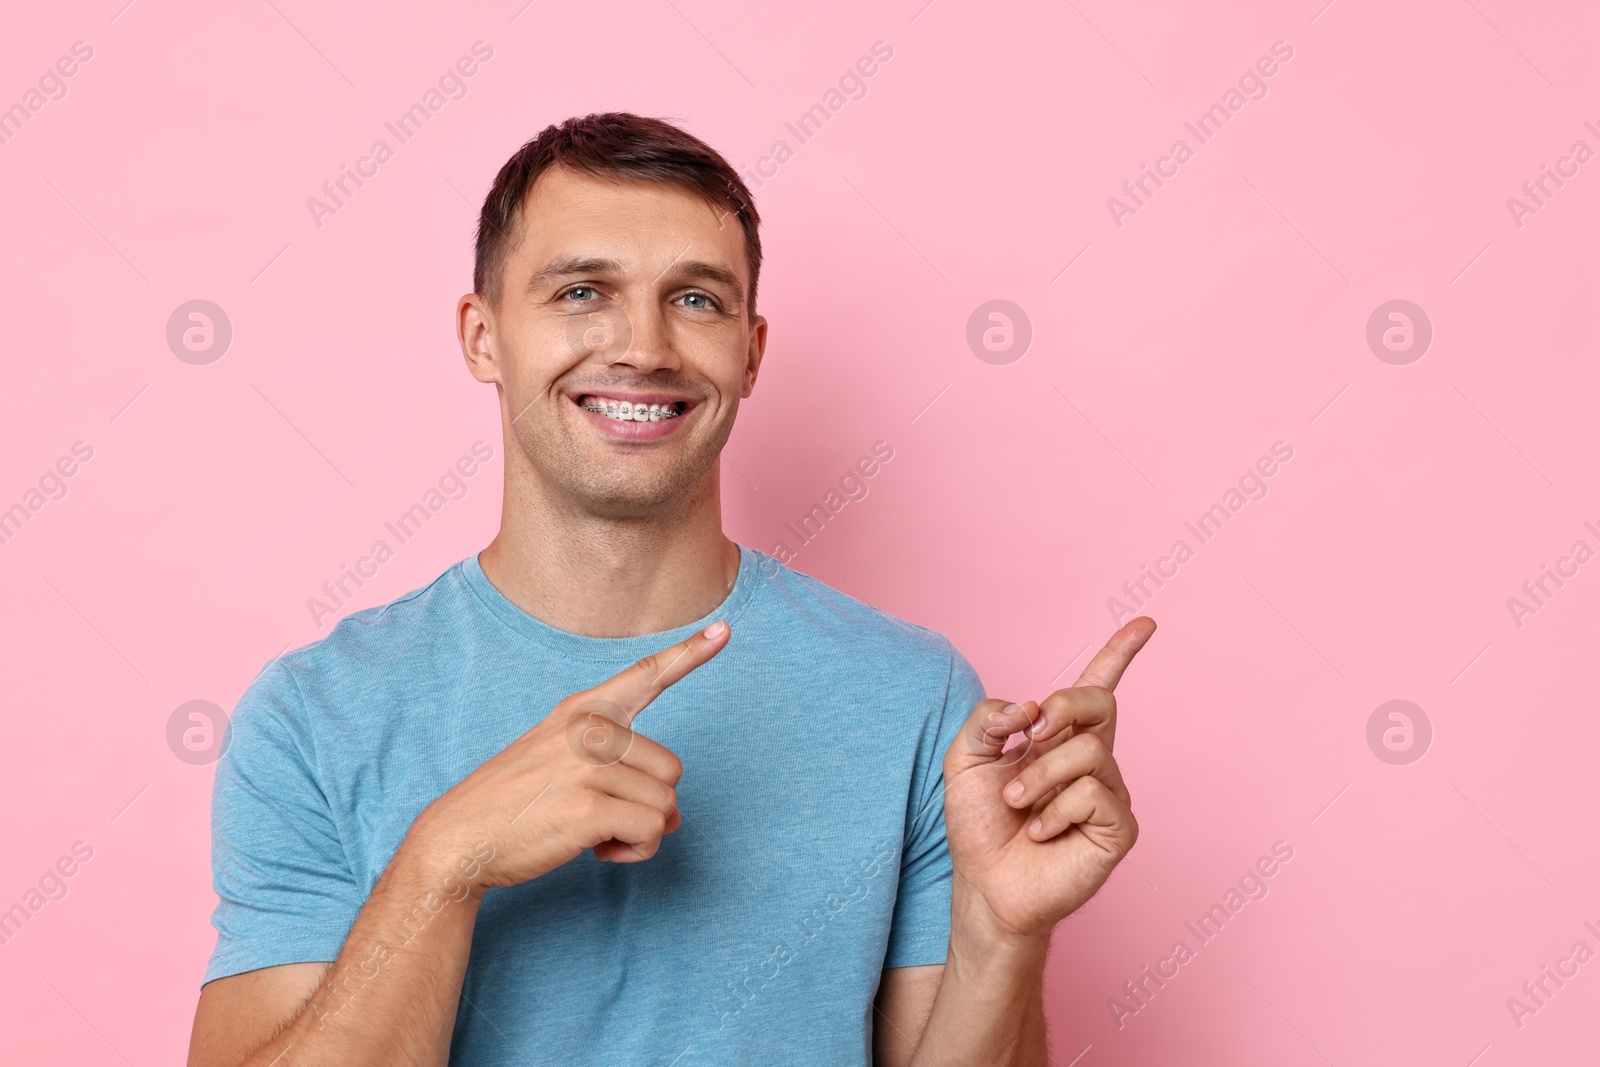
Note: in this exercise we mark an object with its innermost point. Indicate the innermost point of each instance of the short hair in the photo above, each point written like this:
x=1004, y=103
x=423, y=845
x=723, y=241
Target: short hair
x=615, y=144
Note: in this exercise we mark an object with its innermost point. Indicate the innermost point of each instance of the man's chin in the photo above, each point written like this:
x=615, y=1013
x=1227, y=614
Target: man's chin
x=643, y=496
x=625, y=484
x=633, y=504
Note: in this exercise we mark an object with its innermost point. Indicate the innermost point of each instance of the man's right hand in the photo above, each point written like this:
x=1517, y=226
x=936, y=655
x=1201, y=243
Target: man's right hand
x=580, y=779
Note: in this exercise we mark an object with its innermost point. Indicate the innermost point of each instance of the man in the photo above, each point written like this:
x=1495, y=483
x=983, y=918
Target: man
x=438, y=836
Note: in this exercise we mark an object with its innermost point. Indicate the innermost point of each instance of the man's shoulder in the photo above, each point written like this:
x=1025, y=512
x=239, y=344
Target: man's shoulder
x=363, y=642
x=821, y=615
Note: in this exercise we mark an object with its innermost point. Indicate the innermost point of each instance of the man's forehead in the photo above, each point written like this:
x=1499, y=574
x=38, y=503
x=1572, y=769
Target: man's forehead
x=571, y=215
x=578, y=223
x=563, y=196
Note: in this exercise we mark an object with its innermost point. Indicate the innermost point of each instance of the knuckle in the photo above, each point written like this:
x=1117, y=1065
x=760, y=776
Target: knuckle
x=600, y=738
x=584, y=805
x=982, y=736
x=648, y=666
x=1093, y=747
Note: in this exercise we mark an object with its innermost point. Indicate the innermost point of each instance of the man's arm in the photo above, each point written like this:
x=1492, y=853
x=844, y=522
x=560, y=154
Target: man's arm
x=240, y=1014
x=984, y=1005
x=900, y=1012
x=985, y=1001
x=579, y=780
x=390, y=997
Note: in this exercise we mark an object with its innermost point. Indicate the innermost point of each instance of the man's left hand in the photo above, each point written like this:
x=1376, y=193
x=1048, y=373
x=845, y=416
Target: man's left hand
x=1035, y=831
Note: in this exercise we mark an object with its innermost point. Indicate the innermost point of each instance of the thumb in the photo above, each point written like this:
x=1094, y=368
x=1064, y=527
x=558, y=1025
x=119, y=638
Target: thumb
x=983, y=738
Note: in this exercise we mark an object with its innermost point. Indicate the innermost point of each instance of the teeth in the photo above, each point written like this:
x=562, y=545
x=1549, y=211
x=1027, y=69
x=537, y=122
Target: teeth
x=626, y=411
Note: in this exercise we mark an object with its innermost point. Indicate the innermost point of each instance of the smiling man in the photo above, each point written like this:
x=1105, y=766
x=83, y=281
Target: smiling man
x=615, y=789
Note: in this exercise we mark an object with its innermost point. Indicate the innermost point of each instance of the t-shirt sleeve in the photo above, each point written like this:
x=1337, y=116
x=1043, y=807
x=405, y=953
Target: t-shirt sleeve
x=920, y=933
x=282, y=878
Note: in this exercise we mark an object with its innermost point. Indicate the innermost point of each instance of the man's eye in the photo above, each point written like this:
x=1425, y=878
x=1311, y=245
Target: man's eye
x=573, y=293
x=689, y=297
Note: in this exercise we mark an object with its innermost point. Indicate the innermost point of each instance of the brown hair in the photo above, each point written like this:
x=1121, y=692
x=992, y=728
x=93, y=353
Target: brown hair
x=614, y=144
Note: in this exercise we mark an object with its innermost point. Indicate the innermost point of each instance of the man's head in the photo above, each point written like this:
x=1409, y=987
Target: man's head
x=610, y=271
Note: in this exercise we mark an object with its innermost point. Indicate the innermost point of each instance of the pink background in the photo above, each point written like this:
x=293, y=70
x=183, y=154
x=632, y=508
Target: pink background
x=1227, y=314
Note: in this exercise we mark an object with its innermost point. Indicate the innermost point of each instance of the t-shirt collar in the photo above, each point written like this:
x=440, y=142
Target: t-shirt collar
x=615, y=649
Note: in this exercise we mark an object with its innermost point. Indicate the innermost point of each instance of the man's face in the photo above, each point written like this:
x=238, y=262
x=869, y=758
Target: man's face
x=620, y=346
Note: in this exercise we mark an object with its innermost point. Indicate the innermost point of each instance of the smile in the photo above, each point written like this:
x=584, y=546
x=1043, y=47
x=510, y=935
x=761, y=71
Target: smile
x=638, y=417
x=629, y=411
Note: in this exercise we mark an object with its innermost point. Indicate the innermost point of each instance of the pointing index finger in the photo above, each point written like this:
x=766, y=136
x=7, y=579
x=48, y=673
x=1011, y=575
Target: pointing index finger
x=634, y=688
x=1105, y=670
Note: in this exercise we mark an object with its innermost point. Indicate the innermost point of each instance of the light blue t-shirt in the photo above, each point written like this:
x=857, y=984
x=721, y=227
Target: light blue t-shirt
x=812, y=853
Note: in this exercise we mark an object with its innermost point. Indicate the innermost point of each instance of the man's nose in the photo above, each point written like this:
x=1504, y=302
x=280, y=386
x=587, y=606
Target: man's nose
x=636, y=336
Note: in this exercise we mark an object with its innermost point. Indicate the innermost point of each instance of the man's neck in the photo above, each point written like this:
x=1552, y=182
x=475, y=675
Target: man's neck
x=605, y=577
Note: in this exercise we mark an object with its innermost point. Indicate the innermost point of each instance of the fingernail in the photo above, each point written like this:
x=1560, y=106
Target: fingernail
x=1037, y=828
x=715, y=630
x=1038, y=726
x=1015, y=790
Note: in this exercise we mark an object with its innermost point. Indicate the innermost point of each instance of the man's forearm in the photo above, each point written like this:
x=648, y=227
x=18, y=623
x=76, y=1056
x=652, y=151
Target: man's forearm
x=990, y=1008
x=391, y=996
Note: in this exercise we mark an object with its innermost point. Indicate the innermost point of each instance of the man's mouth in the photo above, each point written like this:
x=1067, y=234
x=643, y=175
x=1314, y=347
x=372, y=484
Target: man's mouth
x=638, y=409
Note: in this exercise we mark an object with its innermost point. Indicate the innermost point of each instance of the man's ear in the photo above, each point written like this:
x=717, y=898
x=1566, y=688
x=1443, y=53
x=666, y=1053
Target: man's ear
x=758, y=346
x=475, y=330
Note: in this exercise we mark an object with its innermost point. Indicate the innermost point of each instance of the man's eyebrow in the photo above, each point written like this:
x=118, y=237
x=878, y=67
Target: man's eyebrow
x=566, y=266
x=710, y=272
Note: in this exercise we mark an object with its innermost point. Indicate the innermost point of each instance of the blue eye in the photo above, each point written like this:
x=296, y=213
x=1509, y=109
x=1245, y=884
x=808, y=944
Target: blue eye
x=698, y=296
x=579, y=289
